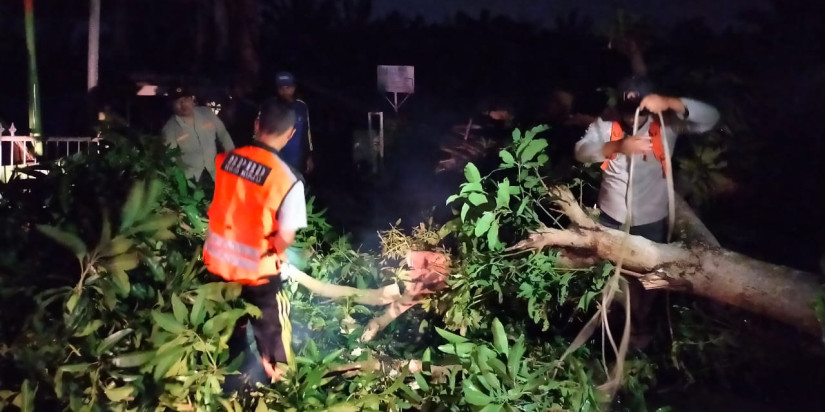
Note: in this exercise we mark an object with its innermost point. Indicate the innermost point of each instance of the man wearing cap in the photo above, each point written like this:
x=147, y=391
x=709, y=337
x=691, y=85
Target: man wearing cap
x=298, y=152
x=609, y=141
x=195, y=129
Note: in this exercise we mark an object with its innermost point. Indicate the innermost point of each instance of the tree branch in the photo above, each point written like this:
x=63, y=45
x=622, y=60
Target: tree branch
x=373, y=297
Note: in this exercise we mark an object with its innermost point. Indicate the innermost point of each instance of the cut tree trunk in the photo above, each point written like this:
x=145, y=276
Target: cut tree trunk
x=696, y=265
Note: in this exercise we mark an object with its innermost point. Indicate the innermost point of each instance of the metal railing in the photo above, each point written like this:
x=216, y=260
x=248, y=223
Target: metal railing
x=23, y=151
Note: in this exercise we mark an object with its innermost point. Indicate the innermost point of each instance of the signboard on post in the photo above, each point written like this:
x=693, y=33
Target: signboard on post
x=396, y=80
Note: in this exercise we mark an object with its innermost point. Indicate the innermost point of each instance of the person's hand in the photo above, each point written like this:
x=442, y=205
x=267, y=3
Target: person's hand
x=655, y=103
x=275, y=373
x=635, y=145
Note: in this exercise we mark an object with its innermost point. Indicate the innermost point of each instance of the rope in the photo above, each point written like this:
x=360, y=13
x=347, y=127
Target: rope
x=617, y=283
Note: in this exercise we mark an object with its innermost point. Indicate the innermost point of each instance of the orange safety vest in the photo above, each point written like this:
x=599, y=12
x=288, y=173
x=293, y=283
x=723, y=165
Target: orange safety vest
x=655, y=131
x=250, y=184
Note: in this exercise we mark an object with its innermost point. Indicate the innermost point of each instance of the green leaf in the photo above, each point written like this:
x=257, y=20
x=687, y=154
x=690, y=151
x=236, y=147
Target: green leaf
x=514, y=357
x=90, y=328
x=163, y=364
x=119, y=394
x=422, y=383
x=506, y=157
x=179, y=309
x=492, y=236
x=112, y=340
x=493, y=407
x=68, y=240
x=151, y=199
x=473, y=395
x=71, y=303
x=532, y=149
x=503, y=194
x=158, y=222
x=471, y=173
x=464, y=209
x=25, y=400
x=500, y=337
x=74, y=368
x=122, y=262
x=498, y=367
x=332, y=356
x=450, y=337
x=471, y=188
x=132, y=360
x=414, y=397
x=459, y=349
x=198, y=312
x=116, y=246
x=483, y=224
x=167, y=322
x=121, y=281
x=451, y=199
x=477, y=199
x=164, y=235
x=133, y=204
x=220, y=322
x=516, y=135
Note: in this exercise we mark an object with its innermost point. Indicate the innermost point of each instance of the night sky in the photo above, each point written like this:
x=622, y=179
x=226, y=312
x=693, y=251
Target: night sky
x=718, y=13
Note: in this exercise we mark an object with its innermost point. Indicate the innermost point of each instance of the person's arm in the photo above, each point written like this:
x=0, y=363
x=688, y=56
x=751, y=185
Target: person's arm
x=168, y=134
x=223, y=134
x=596, y=146
x=699, y=117
x=696, y=116
x=309, y=129
x=589, y=148
x=292, y=216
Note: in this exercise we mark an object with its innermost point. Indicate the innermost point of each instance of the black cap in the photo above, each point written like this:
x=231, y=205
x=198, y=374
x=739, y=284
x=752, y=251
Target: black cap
x=631, y=91
x=178, y=91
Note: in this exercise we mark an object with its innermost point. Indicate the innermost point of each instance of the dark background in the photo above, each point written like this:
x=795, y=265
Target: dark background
x=762, y=63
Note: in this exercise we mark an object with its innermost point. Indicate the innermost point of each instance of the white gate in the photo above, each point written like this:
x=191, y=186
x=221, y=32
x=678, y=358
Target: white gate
x=22, y=151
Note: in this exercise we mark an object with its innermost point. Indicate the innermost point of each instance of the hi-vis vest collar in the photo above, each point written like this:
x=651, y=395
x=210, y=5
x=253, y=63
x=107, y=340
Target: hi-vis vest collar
x=259, y=144
x=655, y=131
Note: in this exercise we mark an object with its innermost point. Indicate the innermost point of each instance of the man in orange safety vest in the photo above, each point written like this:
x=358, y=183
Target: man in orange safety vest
x=257, y=208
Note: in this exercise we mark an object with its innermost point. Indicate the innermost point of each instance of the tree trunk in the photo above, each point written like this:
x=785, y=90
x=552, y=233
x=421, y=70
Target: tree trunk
x=698, y=266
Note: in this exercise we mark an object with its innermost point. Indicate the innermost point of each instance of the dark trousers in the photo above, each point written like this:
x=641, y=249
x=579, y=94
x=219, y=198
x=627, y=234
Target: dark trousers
x=272, y=334
x=642, y=301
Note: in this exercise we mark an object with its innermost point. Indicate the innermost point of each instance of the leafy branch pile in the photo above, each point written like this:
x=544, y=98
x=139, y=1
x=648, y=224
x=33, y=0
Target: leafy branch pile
x=115, y=312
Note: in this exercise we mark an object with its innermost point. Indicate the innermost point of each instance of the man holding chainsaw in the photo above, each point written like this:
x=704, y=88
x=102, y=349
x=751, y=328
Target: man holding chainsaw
x=610, y=141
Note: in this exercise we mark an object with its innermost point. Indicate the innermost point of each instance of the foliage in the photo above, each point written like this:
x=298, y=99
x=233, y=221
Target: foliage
x=126, y=319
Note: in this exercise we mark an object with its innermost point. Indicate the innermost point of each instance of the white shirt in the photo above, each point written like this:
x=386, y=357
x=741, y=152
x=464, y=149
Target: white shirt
x=649, y=185
x=292, y=212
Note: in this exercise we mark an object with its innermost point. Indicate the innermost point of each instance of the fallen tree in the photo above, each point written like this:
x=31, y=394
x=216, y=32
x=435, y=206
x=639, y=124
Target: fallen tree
x=696, y=264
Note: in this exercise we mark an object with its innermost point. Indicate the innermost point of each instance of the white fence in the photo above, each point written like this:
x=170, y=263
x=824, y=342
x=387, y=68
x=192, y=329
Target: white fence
x=22, y=151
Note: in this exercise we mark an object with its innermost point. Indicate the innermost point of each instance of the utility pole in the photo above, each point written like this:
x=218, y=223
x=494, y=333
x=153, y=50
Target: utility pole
x=34, y=86
x=94, y=44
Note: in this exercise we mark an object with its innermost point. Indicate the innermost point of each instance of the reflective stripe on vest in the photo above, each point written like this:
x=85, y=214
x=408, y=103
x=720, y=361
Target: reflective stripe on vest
x=655, y=132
